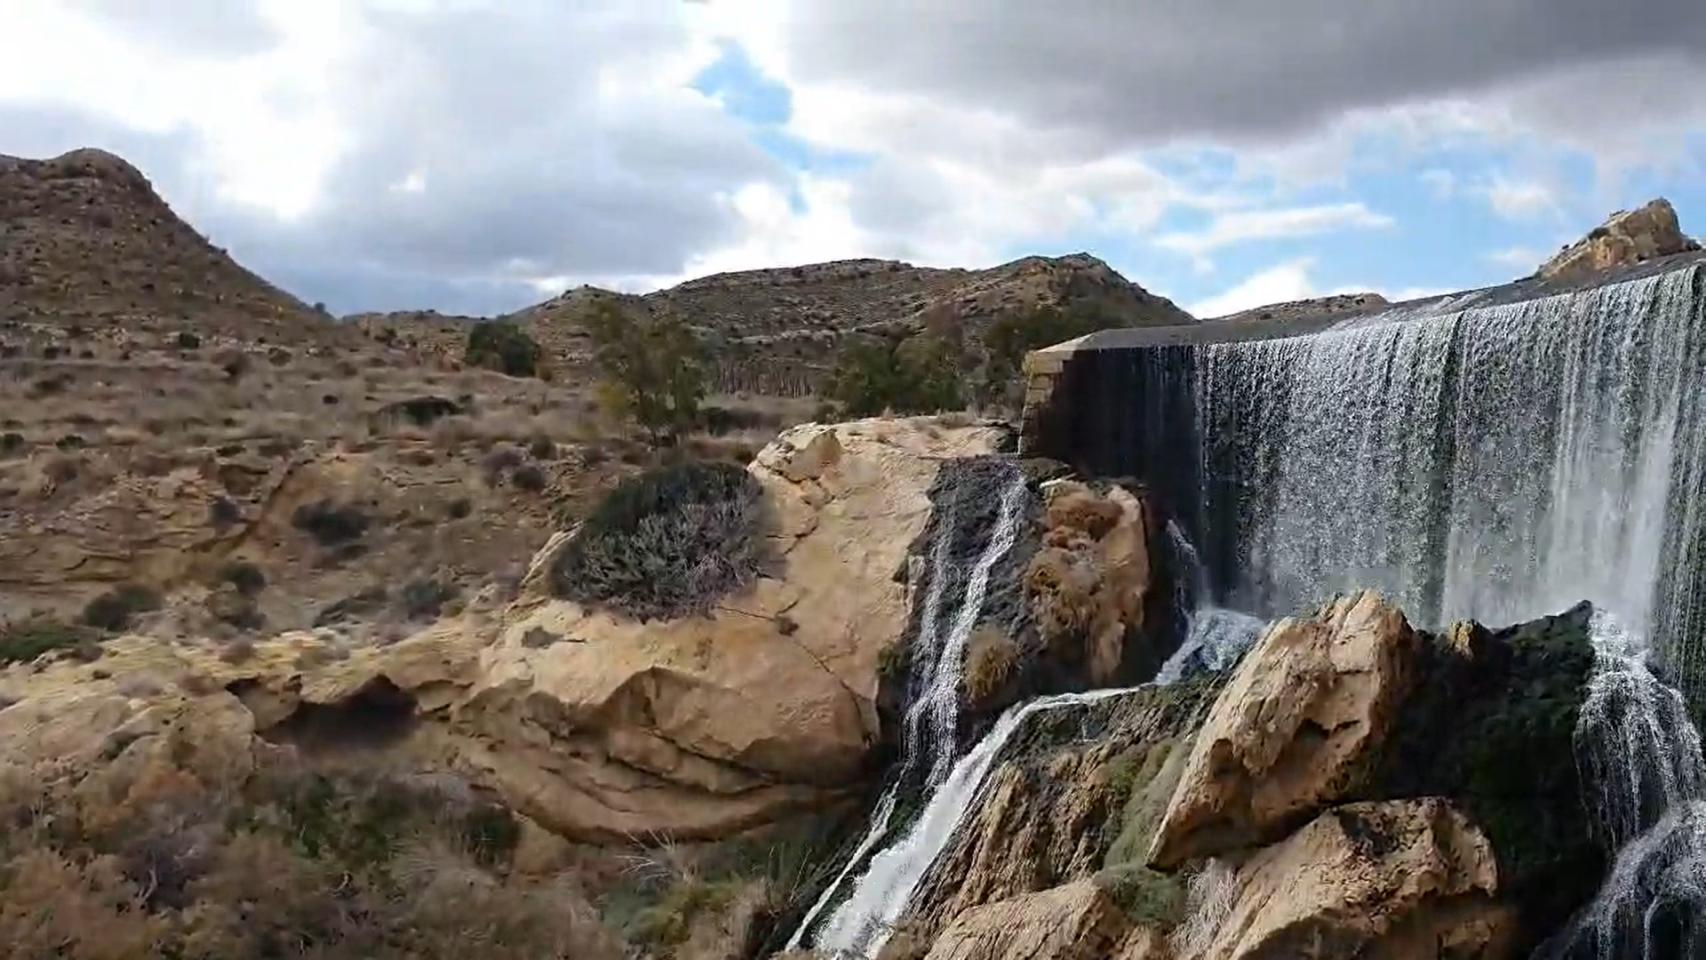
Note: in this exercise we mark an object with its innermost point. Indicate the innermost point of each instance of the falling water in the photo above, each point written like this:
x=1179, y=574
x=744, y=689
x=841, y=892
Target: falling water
x=929, y=732
x=863, y=923
x=1499, y=463
x=1642, y=764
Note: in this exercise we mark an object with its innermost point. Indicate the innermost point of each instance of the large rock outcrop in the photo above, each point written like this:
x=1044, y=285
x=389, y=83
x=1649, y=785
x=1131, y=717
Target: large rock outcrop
x=1295, y=729
x=1073, y=922
x=598, y=727
x=1628, y=237
x=1404, y=880
x=1358, y=788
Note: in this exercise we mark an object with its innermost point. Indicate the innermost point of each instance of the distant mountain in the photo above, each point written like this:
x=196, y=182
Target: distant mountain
x=778, y=330
x=84, y=239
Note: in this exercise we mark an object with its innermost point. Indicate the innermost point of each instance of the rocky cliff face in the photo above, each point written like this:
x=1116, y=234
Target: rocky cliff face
x=1323, y=800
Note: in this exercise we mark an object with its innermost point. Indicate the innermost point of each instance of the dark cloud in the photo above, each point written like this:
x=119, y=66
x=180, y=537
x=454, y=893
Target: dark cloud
x=1228, y=69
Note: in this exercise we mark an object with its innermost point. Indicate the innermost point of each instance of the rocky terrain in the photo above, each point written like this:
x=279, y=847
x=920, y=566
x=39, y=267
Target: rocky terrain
x=316, y=642
x=777, y=331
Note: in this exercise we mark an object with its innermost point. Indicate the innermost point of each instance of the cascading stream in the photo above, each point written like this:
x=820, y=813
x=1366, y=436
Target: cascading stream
x=1498, y=463
x=1641, y=759
x=864, y=922
x=929, y=734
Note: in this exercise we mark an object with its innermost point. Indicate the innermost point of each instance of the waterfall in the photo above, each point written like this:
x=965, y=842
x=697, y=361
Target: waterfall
x=930, y=729
x=1497, y=462
x=1473, y=459
x=1641, y=761
x=864, y=922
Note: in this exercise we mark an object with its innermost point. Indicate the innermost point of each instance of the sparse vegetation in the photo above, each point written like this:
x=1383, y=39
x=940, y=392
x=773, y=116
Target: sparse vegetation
x=502, y=346
x=425, y=598
x=991, y=659
x=666, y=543
x=529, y=477
x=652, y=368
x=329, y=523
x=28, y=639
x=1013, y=335
x=112, y=611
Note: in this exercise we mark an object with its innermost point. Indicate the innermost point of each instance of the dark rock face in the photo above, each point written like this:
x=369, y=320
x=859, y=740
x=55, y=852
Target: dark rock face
x=1491, y=725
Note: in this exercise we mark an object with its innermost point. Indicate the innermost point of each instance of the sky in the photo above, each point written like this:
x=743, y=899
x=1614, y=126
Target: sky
x=475, y=157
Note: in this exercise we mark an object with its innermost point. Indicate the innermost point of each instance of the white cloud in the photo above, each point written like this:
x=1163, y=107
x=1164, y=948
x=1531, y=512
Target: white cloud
x=1520, y=199
x=1277, y=284
x=1517, y=258
x=1239, y=226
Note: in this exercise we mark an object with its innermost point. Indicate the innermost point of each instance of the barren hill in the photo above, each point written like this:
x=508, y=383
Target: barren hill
x=85, y=240
x=777, y=330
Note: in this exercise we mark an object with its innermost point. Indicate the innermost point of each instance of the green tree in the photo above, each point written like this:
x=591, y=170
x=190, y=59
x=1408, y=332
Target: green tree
x=921, y=374
x=502, y=346
x=651, y=365
x=1016, y=334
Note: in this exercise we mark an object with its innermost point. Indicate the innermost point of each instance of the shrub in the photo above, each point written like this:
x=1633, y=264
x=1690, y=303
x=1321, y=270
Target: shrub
x=245, y=576
x=1016, y=334
x=529, y=478
x=29, y=639
x=651, y=367
x=223, y=512
x=425, y=598
x=666, y=543
x=112, y=611
x=187, y=341
x=990, y=660
x=459, y=508
x=331, y=524
x=541, y=447
x=11, y=443
x=502, y=346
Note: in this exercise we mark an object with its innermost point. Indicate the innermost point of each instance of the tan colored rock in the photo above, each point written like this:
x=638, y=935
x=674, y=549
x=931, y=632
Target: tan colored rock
x=1074, y=922
x=1090, y=585
x=1294, y=729
x=693, y=728
x=1628, y=237
x=1399, y=880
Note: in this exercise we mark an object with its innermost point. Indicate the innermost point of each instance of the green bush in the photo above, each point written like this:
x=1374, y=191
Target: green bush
x=922, y=374
x=1016, y=334
x=666, y=543
x=113, y=610
x=502, y=346
x=28, y=639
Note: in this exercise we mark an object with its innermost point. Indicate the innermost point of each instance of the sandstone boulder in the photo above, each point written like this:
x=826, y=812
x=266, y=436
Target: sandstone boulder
x=1404, y=880
x=1296, y=729
x=1073, y=922
x=1628, y=237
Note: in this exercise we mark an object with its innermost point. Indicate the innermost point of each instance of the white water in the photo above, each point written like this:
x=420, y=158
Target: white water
x=1641, y=761
x=864, y=922
x=930, y=730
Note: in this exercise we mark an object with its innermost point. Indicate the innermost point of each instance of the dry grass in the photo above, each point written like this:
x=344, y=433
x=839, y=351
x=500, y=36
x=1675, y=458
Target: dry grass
x=991, y=659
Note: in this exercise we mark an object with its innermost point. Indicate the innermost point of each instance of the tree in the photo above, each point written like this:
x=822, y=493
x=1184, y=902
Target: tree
x=921, y=374
x=651, y=365
x=502, y=346
x=1016, y=334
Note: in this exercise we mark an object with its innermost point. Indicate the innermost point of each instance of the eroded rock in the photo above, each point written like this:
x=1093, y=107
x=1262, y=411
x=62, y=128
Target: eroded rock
x=1405, y=880
x=1296, y=729
x=1627, y=237
x=1073, y=922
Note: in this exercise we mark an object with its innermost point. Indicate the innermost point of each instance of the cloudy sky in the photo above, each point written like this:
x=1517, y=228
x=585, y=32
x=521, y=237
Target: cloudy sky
x=479, y=156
